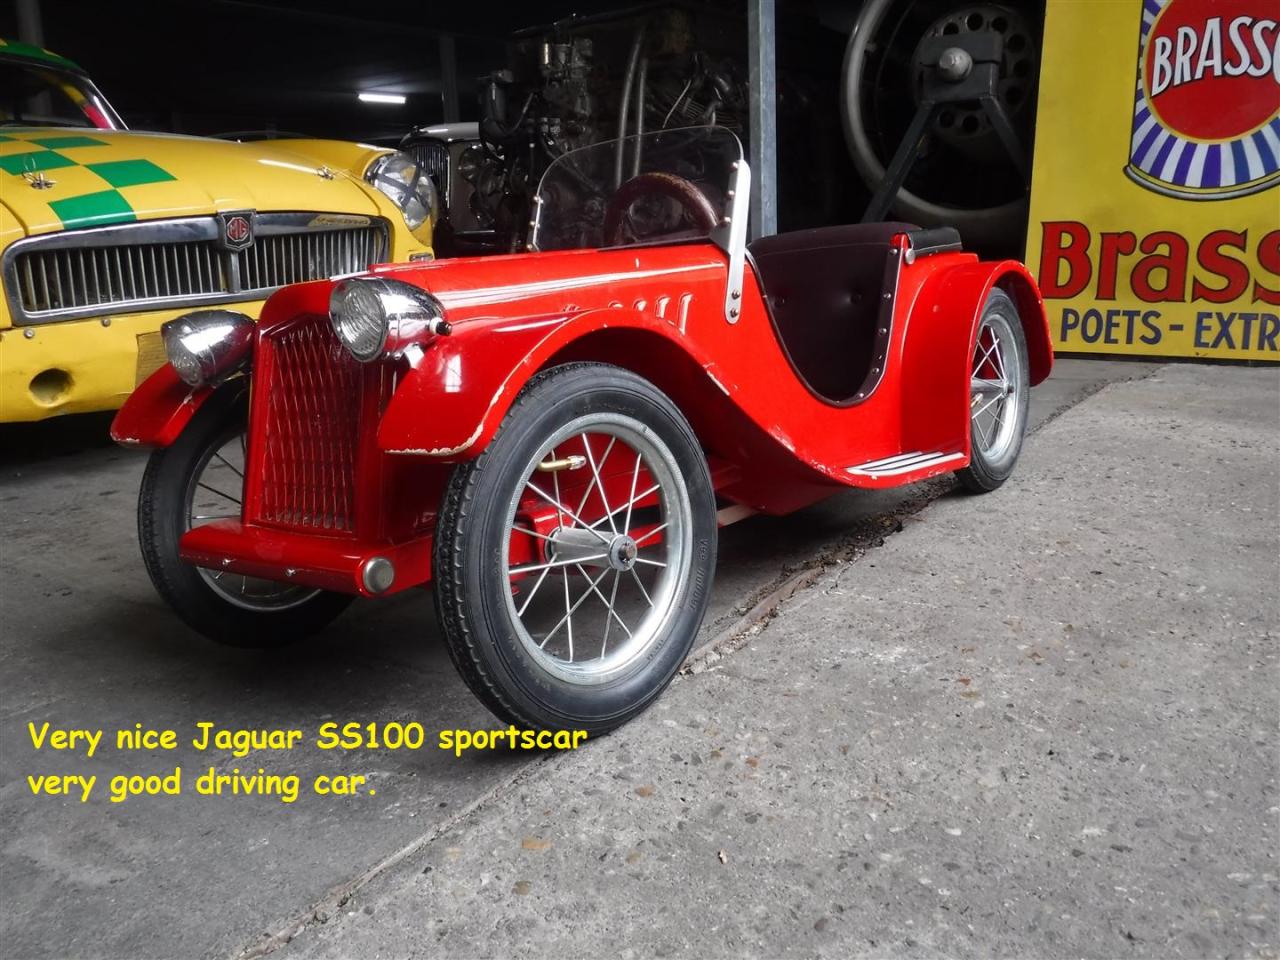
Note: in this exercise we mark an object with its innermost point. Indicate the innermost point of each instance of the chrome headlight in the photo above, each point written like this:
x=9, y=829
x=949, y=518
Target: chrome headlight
x=208, y=345
x=400, y=177
x=376, y=315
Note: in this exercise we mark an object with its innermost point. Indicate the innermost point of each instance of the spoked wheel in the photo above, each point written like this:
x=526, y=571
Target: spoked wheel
x=200, y=480
x=999, y=394
x=574, y=557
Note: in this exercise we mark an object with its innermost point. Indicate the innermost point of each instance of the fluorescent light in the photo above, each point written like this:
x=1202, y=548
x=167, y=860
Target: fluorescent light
x=397, y=98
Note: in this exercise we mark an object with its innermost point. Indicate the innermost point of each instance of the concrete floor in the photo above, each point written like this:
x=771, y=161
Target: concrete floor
x=1106, y=776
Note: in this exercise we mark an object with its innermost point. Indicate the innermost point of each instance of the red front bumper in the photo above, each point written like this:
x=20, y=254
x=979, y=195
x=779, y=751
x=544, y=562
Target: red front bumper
x=330, y=563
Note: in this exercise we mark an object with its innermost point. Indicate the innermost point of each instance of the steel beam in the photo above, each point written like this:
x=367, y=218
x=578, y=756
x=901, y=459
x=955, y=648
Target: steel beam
x=763, y=151
x=449, y=78
x=30, y=28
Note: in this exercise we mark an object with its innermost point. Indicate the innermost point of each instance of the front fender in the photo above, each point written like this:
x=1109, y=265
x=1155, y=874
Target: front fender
x=451, y=402
x=938, y=348
x=163, y=404
x=158, y=410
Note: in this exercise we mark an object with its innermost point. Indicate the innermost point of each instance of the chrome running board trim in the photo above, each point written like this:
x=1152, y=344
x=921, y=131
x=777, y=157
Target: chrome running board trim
x=903, y=463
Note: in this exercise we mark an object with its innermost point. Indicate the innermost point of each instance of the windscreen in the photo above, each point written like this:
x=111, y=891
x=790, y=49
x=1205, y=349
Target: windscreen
x=659, y=187
x=40, y=96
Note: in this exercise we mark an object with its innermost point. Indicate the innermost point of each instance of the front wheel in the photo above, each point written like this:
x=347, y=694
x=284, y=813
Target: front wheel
x=199, y=480
x=574, y=558
x=999, y=396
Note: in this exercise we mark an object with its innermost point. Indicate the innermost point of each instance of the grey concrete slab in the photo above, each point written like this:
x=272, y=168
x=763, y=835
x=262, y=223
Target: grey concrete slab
x=1040, y=723
x=84, y=641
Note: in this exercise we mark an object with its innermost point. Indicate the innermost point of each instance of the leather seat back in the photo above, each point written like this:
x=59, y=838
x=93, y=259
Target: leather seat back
x=824, y=291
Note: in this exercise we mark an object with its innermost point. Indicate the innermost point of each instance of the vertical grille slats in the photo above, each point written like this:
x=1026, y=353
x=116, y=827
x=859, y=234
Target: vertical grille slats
x=53, y=278
x=97, y=283
x=433, y=157
x=44, y=281
x=314, y=392
x=279, y=259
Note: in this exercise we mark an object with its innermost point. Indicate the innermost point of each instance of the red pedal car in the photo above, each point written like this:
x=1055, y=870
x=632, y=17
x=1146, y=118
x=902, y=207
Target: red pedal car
x=552, y=439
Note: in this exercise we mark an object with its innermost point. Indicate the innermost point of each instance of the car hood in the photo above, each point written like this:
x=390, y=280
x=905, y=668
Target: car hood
x=57, y=179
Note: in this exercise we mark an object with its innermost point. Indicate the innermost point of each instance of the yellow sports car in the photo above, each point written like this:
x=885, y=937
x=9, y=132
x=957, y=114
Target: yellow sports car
x=105, y=233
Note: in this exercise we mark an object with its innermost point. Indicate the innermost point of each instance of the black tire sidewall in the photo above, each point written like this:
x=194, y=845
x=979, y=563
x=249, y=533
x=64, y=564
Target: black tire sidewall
x=527, y=692
x=162, y=504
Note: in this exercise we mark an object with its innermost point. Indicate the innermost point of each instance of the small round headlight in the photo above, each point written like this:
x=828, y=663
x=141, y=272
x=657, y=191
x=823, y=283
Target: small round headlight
x=400, y=177
x=376, y=315
x=355, y=310
x=207, y=345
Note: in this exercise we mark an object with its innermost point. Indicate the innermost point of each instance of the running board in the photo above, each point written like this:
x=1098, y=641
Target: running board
x=903, y=463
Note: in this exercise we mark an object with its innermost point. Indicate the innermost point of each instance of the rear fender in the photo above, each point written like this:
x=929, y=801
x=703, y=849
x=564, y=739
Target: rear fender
x=449, y=405
x=158, y=410
x=941, y=335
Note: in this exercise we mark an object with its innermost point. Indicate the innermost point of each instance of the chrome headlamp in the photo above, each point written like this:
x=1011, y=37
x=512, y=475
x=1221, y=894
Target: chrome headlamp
x=208, y=345
x=373, y=316
x=400, y=177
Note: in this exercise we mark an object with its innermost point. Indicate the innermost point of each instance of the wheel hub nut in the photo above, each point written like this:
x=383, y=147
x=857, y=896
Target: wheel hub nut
x=955, y=64
x=623, y=552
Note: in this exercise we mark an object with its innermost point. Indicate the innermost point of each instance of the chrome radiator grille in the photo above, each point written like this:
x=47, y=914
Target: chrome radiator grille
x=176, y=263
x=433, y=157
x=274, y=261
x=56, y=280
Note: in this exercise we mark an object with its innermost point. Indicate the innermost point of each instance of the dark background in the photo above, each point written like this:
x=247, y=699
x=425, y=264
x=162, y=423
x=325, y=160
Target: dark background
x=216, y=66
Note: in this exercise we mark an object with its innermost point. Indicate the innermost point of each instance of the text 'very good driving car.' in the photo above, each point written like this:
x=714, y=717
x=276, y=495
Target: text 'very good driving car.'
x=105, y=233
x=552, y=438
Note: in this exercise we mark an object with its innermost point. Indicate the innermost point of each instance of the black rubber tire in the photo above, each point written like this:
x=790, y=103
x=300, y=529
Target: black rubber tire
x=470, y=588
x=983, y=474
x=162, y=503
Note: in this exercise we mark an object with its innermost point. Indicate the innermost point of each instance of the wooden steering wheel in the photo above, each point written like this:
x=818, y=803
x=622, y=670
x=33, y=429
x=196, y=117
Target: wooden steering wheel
x=692, y=200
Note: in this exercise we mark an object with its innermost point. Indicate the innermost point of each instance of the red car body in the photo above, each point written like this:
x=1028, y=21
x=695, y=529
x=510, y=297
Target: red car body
x=348, y=461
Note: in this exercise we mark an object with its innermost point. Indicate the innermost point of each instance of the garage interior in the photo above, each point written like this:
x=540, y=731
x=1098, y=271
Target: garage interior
x=915, y=723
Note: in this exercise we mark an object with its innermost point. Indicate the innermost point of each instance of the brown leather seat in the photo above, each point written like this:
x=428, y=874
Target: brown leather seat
x=823, y=288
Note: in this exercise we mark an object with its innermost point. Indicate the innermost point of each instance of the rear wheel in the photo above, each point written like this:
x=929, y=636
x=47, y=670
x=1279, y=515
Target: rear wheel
x=200, y=480
x=574, y=558
x=999, y=395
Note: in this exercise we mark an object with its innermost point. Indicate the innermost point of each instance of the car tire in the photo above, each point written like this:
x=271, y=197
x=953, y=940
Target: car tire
x=997, y=424
x=205, y=600
x=488, y=621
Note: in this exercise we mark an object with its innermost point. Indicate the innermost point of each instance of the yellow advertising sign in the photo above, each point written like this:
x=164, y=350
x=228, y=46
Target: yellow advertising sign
x=1155, y=213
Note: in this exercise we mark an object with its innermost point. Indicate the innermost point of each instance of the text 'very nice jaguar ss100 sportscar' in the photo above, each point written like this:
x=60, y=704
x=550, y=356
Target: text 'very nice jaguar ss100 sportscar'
x=552, y=439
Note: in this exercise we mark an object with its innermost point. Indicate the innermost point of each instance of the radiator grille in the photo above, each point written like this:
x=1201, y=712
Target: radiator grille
x=64, y=279
x=178, y=263
x=433, y=157
x=274, y=261
x=314, y=392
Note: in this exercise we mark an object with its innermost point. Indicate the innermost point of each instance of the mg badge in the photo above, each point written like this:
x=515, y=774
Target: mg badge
x=236, y=229
x=1206, y=122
